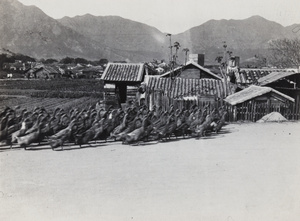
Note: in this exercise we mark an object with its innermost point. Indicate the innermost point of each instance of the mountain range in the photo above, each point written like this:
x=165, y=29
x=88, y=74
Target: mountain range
x=28, y=30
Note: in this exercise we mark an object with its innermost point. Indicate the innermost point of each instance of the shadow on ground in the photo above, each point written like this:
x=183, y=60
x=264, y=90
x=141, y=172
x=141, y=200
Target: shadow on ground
x=103, y=143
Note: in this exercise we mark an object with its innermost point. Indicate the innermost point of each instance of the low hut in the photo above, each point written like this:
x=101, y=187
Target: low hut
x=256, y=101
x=287, y=82
x=122, y=76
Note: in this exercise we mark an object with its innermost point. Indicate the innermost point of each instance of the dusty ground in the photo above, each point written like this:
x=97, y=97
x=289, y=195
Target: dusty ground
x=251, y=172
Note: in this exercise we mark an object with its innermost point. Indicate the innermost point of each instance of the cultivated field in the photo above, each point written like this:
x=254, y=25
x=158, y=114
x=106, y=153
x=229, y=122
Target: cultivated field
x=50, y=94
x=248, y=172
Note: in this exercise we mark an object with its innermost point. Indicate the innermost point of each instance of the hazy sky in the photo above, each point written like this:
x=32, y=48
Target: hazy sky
x=174, y=16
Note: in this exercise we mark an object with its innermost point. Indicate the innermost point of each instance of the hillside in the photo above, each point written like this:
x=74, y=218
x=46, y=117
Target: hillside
x=244, y=37
x=119, y=34
x=28, y=30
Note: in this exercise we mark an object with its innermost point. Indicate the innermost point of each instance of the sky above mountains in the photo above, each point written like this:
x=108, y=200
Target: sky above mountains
x=174, y=16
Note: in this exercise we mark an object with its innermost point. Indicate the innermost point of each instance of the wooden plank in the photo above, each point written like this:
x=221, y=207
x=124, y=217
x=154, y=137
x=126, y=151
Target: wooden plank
x=188, y=87
x=215, y=87
x=194, y=87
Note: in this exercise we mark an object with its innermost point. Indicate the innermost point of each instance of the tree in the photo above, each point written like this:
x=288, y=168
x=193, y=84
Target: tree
x=50, y=61
x=23, y=58
x=285, y=52
x=81, y=61
x=103, y=61
x=219, y=59
x=67, y=60
x=170, y=35
x=4, y=59
x=176, y=46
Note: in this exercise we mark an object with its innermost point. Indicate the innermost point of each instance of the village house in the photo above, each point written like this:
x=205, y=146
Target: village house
x=193, y=69
x=41, y=71
x=93, y=72
x=17, y=66
x=187, y=85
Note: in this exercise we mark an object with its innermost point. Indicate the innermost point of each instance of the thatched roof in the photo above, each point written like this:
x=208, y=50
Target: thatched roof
x=252, y=92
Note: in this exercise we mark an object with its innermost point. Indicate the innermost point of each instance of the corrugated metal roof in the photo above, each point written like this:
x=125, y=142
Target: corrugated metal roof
x=197, y=66
x=181, y=87
x=274, y=76
x=252, y=92
x=129, y=72
x=248, y=76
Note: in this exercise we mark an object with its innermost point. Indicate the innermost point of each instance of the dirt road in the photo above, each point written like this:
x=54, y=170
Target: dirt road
x=250, y=172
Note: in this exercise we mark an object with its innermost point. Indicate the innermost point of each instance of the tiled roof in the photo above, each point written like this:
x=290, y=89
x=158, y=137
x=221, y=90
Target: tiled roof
x=252, y=92
x=46, y=69
x=181, y=87
x=36, y=65
x=250, y=76
x=129, y=72
x=51, y=69
x=274, y=76
x=197, y=66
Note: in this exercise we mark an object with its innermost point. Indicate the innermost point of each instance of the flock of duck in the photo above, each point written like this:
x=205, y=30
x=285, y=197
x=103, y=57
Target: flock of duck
x=132, y=125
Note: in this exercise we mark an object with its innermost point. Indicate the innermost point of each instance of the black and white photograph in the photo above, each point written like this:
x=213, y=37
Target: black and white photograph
x=169, y=110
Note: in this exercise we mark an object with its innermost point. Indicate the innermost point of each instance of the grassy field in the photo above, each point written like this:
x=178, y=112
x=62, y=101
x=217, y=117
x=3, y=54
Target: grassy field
x=63, y=93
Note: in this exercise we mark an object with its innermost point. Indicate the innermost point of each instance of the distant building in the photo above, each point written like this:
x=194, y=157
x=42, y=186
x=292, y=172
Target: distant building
x=40, y=71
x=17, y=66
x=93, y=72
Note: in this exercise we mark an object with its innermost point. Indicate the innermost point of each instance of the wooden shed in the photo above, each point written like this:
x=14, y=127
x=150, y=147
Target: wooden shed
x=122, y=75
x=286, y=82
x=255, y=101
x=258, y=94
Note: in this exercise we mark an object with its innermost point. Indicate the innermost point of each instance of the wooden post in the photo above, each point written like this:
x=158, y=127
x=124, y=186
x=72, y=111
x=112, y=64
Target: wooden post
x=234, y=113
x=254, y=112
x=269, y=104
x=158, y=98
x=150, y=100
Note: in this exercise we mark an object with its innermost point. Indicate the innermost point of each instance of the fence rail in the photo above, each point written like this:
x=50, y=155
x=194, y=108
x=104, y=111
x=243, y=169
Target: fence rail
x=250, y=111
x=253, y=111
